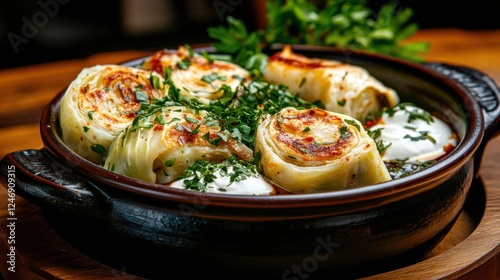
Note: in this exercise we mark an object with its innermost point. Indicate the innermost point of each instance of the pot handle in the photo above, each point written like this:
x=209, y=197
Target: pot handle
x=482, y=87
x=40, y=179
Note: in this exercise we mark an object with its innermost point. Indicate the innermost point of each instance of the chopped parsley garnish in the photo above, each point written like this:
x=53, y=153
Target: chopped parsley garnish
x=213, y=77
x=196, y=129
x=215, y=141
x=85, y=129
x=207, y=56
x=424, y=135
x=169, y=162
x=141, y=96
x=201, y=173
x=184, y=64
x=353, y=123
x=413, y=113
x=98, y=148
x=90, y=114
x=161, y=119
x=302, y=82
x=140, y=122
x=304, y=150
x=155, y=81
x=344, y=131
x=189, y=49
x=192, y=120
x=375, y=134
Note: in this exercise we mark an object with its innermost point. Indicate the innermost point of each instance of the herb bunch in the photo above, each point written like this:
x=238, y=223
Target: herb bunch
x=349, y=24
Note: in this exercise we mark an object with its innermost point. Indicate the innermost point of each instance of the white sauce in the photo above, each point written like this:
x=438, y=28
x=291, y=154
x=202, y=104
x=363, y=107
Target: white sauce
x=395, y=128
x=249, y=186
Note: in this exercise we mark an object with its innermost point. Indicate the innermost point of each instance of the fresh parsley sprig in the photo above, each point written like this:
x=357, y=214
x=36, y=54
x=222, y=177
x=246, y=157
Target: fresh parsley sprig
x=349, y=24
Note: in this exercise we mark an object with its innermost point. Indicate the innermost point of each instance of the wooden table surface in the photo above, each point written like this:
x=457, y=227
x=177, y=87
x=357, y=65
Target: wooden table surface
x=469, y=254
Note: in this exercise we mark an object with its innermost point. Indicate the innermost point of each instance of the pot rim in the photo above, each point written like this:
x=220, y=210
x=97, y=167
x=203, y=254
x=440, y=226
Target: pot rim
x=101, y=177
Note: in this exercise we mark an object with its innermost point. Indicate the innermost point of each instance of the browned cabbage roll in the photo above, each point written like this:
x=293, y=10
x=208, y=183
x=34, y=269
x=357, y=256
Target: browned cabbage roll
x=341, y=87
x=102, y=101
x=195, y=75
x=313, y=150
x=160, y=147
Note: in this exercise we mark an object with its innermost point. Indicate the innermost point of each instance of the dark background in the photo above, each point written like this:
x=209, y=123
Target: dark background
x=65, y=29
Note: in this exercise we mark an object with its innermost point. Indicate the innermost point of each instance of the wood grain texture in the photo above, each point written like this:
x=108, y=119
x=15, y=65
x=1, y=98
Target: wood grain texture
x=26, y=90
x=468, y=252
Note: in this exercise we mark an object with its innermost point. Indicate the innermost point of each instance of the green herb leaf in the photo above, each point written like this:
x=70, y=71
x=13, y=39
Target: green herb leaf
x=342, y=23
x=184, y=64
x=142, y=97
x=169, y=162
x=353, y=123
x=201, y=173
x=344, y=131
x=154, y=81
x=98, y=148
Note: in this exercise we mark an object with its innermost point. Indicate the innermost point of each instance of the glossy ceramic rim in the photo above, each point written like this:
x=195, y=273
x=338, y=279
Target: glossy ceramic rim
x=462, y=153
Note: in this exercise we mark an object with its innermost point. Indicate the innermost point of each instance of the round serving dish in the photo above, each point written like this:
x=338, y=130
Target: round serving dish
x=157, y=231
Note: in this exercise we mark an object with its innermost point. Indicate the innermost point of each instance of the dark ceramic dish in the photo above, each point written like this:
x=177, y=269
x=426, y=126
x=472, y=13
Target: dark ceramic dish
x=156, y=232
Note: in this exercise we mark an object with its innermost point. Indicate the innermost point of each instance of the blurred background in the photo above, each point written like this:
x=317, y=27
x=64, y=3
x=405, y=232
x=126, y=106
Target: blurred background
x=33, y=32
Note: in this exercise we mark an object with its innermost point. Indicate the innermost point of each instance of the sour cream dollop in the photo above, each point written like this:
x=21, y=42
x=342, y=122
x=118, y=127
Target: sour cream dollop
x=413, y=134
x=251, y=185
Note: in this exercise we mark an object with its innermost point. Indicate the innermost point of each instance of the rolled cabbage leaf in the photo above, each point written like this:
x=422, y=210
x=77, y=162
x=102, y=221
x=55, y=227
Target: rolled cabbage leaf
x=102, y=101
x=195, y=75
x=341, y=87
x=314, y=150
x=159, y=147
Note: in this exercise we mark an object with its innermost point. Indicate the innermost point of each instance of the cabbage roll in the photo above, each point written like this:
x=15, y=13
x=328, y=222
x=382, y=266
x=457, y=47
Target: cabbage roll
x=102, y=101
x=158, y=148
x=314, y=150
x=195, y=75
x=341, y=87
